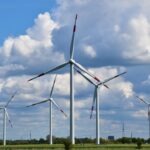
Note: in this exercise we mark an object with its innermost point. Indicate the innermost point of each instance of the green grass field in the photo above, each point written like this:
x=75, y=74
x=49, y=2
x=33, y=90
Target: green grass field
x=75, y=147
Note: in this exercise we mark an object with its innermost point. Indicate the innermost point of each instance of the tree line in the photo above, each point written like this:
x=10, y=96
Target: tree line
x=61, y=140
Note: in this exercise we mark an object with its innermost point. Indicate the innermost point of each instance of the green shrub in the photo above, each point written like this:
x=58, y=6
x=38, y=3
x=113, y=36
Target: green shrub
x=67, y=144
x=139, y=144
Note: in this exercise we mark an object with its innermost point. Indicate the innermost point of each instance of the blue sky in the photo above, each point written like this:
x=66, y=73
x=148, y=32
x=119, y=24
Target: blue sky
x=111, y=37
x=21, y=14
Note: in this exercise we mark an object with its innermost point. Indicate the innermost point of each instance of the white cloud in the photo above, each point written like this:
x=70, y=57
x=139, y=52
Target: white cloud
x=10, y=67
x=138, y=39
x=116, y=33
x=140, y=114
x=117, y=85
x=126, y=88
x=89, y=50
x=34, y=49
x=44, y=26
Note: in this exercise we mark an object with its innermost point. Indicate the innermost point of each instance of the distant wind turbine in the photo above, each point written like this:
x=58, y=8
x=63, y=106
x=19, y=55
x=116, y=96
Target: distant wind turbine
x=96, y=98
x=72, y=63
x=5, y=115
x=51, y=101
x=148, y=106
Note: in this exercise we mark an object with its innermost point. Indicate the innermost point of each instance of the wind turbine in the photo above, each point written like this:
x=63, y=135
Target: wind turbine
x=51, y=101
x=96, y=98
x=72, y=63
x=148, y=106
x=5, y=115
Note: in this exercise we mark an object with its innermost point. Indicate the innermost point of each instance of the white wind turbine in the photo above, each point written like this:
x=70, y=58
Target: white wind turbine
x=51, y=101
x=148, y=106
x=72, y=63
x=5, y=115
x=96, y=98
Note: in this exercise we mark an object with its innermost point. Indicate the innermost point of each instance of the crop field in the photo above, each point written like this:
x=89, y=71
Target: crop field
x=75, y=147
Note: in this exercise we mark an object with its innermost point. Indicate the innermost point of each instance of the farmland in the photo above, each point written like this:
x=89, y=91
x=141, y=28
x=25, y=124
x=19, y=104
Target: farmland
x=75, y=147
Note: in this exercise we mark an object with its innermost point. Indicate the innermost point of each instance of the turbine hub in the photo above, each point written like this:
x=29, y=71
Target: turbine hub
x=71, y=61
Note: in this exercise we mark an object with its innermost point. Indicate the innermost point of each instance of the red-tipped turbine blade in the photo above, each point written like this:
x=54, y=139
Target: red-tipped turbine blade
x=8, y=118
x=72, y=39
x=50, y=71
x=58, y=107
x=88, y=73
x=142, y=100
x=11, y=99
x=106, y=86
x=91, y=112
x=105, y=81
x=38, y=103
x=85, y=70
x=63, y=113
x=53, y=86
x=94, y=99
x=85, y=77
x=42, y=74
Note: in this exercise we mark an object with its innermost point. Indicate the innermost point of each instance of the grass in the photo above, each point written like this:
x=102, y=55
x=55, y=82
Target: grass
x=32, y=147
x=75, y=147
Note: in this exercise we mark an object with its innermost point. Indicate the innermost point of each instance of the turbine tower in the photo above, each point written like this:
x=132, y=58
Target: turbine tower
x=96, y=98
x=148, y=106
x=72, y=63
x=51, y=101
x=5, y=115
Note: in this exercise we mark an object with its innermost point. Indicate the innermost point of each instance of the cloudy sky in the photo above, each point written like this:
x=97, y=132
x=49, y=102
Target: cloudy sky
x=111, y=38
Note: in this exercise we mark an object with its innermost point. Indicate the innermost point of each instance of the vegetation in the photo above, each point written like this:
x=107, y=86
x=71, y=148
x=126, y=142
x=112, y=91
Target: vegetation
x=81, y=144
x=139, y=144
x=67, y=144
x=61, y=140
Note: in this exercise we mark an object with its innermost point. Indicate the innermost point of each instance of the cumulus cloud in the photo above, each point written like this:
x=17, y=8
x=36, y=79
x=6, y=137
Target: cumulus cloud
x=34, y=49
x=118, y=84
x=137, y=38
x=120, y=30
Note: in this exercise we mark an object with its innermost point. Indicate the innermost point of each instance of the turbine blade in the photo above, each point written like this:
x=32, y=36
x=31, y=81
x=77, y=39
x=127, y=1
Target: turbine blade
x=11, y=98
x=85, y=70
x=58, y=107
x=85, y=77
x=106, y=86
x=38, y=103
x=72, y=40
x=52, y=70
x=142, y=100
x=92, y=108
x=53, y=86
x=112, y=78
x=8, y=118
